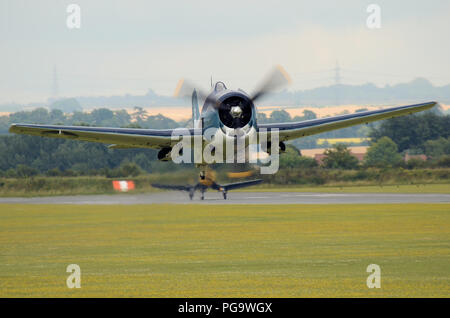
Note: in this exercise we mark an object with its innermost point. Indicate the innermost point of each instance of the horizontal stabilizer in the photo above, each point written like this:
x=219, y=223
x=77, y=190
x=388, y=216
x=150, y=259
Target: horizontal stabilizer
x=238, y=185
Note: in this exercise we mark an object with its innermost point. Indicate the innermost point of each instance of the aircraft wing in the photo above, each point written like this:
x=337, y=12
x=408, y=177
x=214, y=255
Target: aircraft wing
x=237, y=185
x=172, y=187
x=118, y=137
x=295, y=130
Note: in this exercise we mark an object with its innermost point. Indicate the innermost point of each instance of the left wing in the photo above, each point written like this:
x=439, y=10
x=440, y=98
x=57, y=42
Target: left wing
x=118, y=137
x=172, y=187
x=288, y=131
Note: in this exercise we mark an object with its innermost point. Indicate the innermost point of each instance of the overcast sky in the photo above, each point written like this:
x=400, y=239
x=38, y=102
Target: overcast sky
x=131, y=46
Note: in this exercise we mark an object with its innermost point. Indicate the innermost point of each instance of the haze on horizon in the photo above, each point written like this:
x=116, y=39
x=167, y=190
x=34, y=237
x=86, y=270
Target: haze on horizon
x=131, y=46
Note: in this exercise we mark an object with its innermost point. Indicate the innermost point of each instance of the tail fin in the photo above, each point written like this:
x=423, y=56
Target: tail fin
x=195, y=111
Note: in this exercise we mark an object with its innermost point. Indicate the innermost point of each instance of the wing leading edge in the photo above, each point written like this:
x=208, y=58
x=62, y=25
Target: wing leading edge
x=160, y=138
x=295, y=130
x=118, y=137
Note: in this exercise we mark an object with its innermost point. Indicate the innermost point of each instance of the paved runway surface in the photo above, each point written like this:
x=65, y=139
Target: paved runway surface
x=239, y=198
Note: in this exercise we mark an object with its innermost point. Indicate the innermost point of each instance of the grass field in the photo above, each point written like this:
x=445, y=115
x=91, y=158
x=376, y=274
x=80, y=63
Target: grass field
x=225, y=251
x=401, y=188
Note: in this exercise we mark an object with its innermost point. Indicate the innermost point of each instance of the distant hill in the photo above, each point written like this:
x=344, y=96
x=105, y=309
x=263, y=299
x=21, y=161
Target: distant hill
x=417, y=90
x=130, y=101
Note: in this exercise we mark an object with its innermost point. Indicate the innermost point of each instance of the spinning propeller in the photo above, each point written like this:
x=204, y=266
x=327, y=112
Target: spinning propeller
x=235, y=112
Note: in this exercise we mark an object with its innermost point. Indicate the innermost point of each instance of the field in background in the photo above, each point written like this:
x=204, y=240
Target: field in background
x=181, y=113
x=333, y=141
x=228, y=251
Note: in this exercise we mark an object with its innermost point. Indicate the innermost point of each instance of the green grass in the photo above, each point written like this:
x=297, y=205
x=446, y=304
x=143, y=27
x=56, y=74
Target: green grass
x=401, y=188
x=225, y=251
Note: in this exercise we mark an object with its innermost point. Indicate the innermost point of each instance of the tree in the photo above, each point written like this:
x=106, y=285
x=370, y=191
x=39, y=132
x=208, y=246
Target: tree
x=411, y=132
x=437, y=148
x=158, y=122
x=101, y=115
x=130, y=169
x=139, y=114
x=4, y=124
x=383, y=153
x=122, y=117
x=57, y=116
x=443, y=161
x=305, y=142
x=67, y=105
x=308, y=114
x=340, y=158
x=24, y=171
x=126, y=169
x=292, y=159
x=262, y=118
x=280, y=116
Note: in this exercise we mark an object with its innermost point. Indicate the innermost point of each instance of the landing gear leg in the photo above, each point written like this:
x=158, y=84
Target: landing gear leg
x=203, y=195
x=191, y=194
x=224, y=195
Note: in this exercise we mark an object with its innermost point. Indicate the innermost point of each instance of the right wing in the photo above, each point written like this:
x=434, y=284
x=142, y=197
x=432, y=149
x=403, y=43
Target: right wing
x=288, y=131
x=118, y=137
x=237, y=185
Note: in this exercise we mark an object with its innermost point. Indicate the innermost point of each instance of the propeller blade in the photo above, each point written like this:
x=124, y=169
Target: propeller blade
x=277, y=79
x=185, y=88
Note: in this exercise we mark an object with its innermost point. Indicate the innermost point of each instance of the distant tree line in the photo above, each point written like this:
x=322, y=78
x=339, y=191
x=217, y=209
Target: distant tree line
x=23, y=156
x=414, y=133
x=98, y=117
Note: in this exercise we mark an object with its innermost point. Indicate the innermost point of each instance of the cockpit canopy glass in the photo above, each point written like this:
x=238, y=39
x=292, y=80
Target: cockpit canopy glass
x=220, y=86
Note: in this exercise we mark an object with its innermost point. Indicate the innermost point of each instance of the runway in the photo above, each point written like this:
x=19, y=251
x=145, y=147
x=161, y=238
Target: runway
x=238, y=198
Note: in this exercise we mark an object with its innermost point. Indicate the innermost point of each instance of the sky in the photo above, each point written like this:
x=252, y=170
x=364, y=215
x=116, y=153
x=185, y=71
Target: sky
x=131, y=46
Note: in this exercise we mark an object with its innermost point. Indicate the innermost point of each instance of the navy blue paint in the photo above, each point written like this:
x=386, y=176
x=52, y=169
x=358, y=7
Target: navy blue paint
x=168, y=132
x=124, y=131
x=318, y=122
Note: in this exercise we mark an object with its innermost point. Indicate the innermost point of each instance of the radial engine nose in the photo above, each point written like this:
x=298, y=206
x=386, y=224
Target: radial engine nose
x=236, y=112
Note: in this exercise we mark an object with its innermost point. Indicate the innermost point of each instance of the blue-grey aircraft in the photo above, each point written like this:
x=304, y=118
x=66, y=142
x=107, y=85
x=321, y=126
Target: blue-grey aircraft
x=230, y=113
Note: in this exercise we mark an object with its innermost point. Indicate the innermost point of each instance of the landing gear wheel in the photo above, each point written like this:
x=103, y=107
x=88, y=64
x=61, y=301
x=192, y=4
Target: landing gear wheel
x=202, y=197
x=224, y=195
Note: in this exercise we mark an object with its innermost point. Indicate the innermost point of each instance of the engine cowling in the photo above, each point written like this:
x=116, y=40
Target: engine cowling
x=235, y=111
